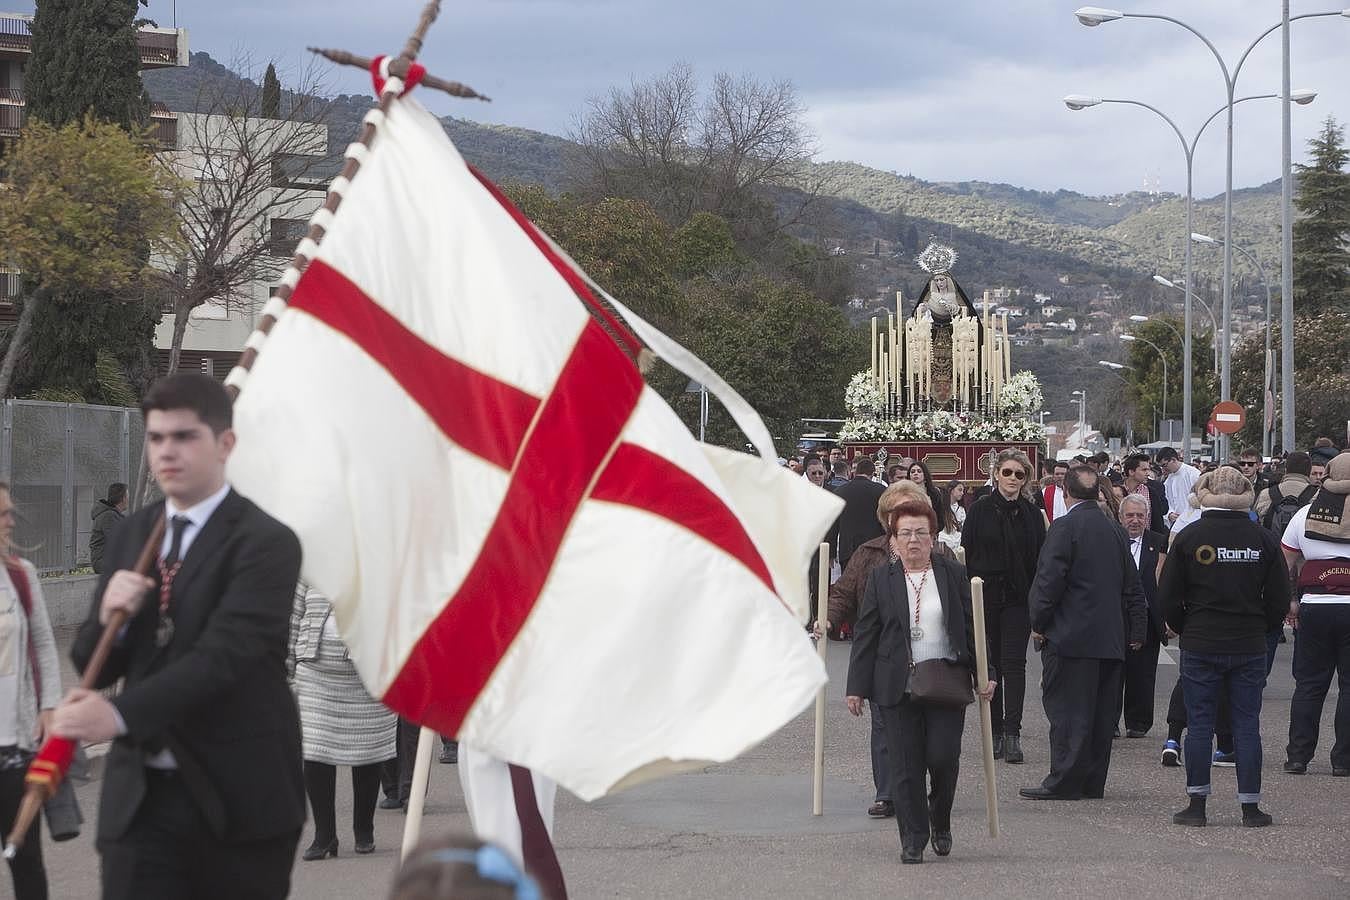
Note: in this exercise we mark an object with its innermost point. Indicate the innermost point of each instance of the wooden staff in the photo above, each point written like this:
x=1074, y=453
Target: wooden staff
x=822, y=644
x=986, y=724
x=412, y=825
x=38, y=790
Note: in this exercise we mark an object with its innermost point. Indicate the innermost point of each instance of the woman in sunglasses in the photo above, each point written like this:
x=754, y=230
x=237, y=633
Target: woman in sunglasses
x=1002, y=537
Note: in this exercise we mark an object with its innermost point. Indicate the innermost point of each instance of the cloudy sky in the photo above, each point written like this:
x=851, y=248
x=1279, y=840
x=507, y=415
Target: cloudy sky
x=959, y=90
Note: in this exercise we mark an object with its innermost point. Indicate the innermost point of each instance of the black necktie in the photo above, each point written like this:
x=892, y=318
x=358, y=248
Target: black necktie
x=180, y=524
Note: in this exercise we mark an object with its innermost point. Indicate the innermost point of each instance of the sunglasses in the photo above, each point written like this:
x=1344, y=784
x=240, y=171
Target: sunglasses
x=1246, y=465
x=1013, y=473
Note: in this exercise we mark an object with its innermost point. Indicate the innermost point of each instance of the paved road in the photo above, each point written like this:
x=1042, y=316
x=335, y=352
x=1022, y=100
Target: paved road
x=745, y=830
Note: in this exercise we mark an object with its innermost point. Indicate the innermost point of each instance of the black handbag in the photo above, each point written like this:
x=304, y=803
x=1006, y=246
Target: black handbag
x=940, y=682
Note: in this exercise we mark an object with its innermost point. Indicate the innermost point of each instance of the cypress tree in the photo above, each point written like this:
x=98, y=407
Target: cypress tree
x=1322, y=233
x=271, y=94
x=86, y=62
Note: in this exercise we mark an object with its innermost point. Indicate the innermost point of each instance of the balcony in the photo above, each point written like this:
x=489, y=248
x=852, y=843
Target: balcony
x=163, y=128
x=159, y=47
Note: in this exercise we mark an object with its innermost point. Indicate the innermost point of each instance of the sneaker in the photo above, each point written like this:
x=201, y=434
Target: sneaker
x=1225, y=760
x=1171, y=755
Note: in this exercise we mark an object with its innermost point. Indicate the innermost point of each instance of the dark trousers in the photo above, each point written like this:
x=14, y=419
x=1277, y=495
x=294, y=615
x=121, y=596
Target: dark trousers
x=1009, y=628
x=1141, y=677
x=881, y=760
x=1204, y=678
x=1176, y=719
x=26, y=869
x=321, y=786
x=1321, y=649
x=925, y=747
x=169, y=852
x=1081, y=697
x=396, y=774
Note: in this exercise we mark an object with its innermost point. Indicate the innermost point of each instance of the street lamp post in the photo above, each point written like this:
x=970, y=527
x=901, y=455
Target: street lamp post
x=1162, y=356
x=1268, y=384
x=1092, y=16
x=1209, y=311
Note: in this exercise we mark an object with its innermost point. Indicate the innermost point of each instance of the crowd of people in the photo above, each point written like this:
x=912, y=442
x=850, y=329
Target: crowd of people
x=1097, y=565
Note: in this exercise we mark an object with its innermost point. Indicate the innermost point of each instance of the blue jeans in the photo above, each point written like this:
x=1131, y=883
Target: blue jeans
x=1241, y=677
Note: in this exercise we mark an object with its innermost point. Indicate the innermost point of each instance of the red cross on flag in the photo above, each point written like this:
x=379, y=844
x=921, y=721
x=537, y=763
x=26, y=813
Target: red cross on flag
x=524, y=545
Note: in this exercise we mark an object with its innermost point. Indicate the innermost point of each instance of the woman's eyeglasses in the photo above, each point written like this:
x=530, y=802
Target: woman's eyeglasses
x=917, y=534
x=1013, y=473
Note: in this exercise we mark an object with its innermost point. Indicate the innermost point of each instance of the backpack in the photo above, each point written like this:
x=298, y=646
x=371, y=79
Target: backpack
x=1282, y=508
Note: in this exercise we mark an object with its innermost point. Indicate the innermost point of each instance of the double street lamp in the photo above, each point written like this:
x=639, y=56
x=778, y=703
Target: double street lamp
x=1079, y=102
x=1132, y=338
x=1093, y=16
x=1213, y=321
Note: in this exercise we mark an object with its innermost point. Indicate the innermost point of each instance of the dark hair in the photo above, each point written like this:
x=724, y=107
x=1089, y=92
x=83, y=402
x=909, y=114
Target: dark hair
x=916, y=509
x=863, y=465
x=839, y=467
x=1081, y=483
x=117, y=492
x=1249, y=451
x=1134, y=462
x=927, y=475
x=1101, y=458
x=424, y=876
x=195, y=392
x=891, y=470
x=1298, y=463
x=1323, y=442
x=1167, y=454
x=1058, y=463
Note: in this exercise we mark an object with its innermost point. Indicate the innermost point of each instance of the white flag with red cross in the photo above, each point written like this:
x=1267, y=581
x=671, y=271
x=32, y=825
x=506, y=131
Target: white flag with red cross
x=523, y=543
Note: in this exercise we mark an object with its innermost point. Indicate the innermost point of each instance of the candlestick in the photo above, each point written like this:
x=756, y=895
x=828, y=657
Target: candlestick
x=874, y=351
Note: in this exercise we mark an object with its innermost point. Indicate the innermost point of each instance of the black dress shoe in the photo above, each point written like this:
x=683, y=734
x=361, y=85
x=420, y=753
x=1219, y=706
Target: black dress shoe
x=1040, y=793
x=1341, y=771
x=910, y=856
x=942, y=842
x=1296, y=768
x=1012, y=749
x=1136, y=732
x=364, y=845
x=450, y=754
x=998, y=746
x=317, y=850
x=391, y=803
x=882, y=809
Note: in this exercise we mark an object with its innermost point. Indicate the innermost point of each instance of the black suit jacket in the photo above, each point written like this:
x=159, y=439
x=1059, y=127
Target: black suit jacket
x=858, y=523
x=878, y=667
x=1152, y=545
x=217, y=695
x=1083, y=578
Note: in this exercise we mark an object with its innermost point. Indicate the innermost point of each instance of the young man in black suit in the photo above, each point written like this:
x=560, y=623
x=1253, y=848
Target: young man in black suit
x=1085, y=588
x=857, y=524
x=1148, y=550
x=203, y=795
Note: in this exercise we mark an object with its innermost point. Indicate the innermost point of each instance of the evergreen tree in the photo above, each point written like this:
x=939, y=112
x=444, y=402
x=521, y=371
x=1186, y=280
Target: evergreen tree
x=1322, y=234
x=271, y=94
x=85, y=60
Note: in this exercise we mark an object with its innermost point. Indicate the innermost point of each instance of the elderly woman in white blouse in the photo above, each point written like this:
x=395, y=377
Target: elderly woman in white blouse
x=914, y=610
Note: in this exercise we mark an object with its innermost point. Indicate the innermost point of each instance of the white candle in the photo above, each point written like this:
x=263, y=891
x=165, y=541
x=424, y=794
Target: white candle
x=874, y=350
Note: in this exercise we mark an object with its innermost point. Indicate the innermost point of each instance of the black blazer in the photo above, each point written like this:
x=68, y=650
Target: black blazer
x=878, y=667
x=1157, y=507
x=858, y=523
x=1083, y=578
x=217, y=696
x=1152, y=545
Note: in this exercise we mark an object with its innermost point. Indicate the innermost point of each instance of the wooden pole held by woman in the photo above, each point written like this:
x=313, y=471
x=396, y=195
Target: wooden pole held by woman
x=822, y=644
x=986, y=725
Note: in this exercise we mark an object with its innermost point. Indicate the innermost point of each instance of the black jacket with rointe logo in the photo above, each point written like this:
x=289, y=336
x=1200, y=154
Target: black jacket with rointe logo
x=1225, y=584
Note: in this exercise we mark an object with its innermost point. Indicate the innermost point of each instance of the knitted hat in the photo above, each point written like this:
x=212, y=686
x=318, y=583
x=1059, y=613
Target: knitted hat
x=1225, y=488
x=1337, y=480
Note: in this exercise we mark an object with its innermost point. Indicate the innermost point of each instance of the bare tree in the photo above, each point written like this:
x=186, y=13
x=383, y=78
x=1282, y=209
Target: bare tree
x=251, y=183
x=657, y=141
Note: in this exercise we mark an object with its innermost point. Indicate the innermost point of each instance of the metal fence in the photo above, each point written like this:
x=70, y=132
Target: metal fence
x=59, y=459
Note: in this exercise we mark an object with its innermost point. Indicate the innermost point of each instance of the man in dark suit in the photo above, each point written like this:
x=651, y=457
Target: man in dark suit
x=1148, y=550
x=1084, y=578
x=203, y=795
x=858, y=523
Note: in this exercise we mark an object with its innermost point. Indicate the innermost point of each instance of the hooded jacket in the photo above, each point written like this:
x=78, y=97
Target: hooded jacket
x=105, y=516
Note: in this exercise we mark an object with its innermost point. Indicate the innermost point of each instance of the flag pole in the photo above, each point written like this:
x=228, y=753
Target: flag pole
x=986, y=725
x=53, y=759
x=412, y=826
x=822, y=644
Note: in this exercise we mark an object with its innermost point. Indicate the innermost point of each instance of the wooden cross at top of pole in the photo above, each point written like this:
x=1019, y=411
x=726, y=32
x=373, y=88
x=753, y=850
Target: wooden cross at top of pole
x=398, y=67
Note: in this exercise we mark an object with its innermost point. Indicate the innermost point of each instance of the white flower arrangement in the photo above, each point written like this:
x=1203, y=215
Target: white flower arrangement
x=1021, y=395
x=867, y=429
x=862, y=398
x=940, y=426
